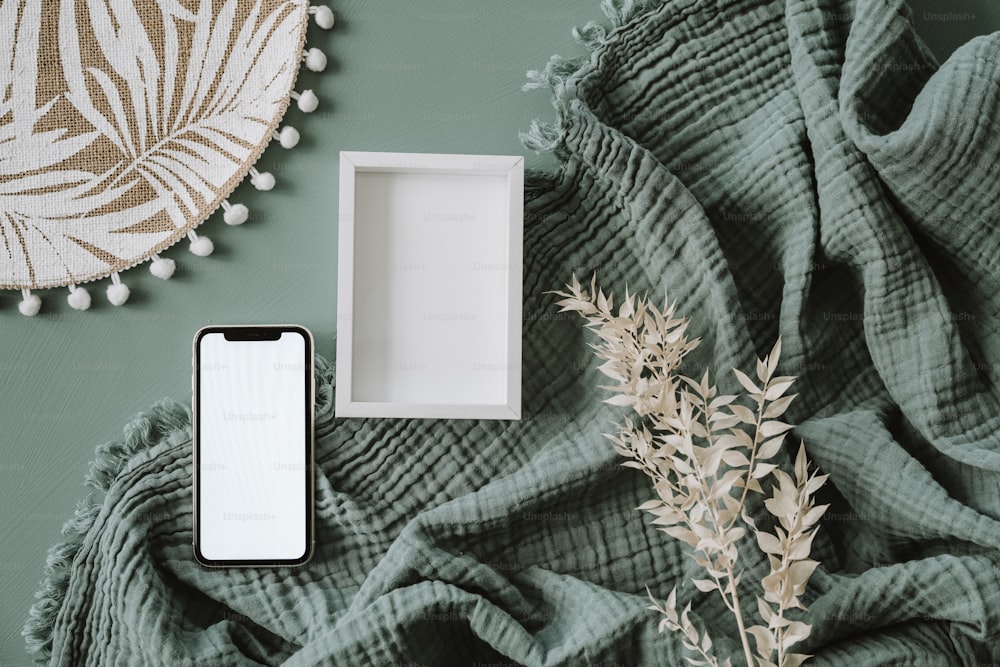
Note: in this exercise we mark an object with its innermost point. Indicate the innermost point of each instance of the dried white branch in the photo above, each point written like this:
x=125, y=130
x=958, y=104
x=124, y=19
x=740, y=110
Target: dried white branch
x=704, y=454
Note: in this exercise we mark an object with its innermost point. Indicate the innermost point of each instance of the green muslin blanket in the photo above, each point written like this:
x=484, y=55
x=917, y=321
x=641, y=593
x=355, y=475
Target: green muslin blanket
x=802, y=168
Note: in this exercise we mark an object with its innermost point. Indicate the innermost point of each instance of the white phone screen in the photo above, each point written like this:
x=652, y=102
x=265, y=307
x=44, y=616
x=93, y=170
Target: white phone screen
x=253, y=447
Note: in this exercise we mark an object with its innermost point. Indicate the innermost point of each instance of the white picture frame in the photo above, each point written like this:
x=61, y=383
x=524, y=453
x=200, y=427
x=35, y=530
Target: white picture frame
x=429, y=286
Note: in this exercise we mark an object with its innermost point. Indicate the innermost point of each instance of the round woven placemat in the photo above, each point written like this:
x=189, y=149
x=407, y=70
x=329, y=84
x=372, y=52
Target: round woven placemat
x=124, y=124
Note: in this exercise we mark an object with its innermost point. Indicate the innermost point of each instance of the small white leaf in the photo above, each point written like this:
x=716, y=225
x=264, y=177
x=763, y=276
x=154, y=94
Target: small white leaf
x=603, y=304
x=801, y=546
x=723, y=486
x=761, y=370
x=735, y=459
x=627, y=309
x=814, y=515
x=704, y=585
x=795, y=659
x=691, y=383
x=778, y=622
x=721, y=401
x=614, y=369
x=764, y=639
x=771, y=583
x=815, y=482
x=670, y=606
x=781, y=505
x=743, y=413
x=787, y=483
x=795, y=632
x=770, y=429
x=800, y=572
x=773, y=356
x=801, y=464
x=736, y=438
x=764, y=610
x=682, y=534
x=736, y=534
x=770, y=448
x=746, y=381
x=620, y=400
x=682, y=467
x=778, y=407
x=775, y=390
x=769, y=544
x=721, y=421
x=762, y=470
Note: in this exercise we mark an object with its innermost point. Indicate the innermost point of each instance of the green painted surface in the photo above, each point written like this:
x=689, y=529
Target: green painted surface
x=432, y=76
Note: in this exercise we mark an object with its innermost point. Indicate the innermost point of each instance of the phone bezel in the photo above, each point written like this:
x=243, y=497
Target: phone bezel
x=250, y=332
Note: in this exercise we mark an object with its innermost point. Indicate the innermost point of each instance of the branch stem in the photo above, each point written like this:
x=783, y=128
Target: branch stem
x=738, y=612
x=756, y=443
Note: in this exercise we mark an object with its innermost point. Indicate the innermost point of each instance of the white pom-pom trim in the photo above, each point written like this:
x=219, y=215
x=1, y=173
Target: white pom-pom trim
x=30, y=303
x=307, y=100
x=315, y=59
x=235, y=214
x=261, y=180
x=323, y=16
x=200, y=245
x=162, y=267
x=118, y=291
x=78, y=298
x=288, y=137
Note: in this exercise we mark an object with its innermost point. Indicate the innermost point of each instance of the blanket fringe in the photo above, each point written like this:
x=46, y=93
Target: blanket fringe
x=561, y=74
x=144, y=431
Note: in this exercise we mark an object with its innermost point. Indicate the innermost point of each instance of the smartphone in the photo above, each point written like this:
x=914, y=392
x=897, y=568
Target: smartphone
x=252, y=404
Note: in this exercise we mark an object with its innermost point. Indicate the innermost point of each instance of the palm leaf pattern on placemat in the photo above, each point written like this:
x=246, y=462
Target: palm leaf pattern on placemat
x=149, y=117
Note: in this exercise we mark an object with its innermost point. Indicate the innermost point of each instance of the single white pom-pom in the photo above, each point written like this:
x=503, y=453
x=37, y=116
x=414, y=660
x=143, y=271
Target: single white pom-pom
x=162, y=267
x=236, y=214
x=315, y=59
x=30, y=305
x=262, y=180
x=307, y=101
x=288, y=137
x=201, y=246
x=323, y=15
x=118, y=293
x=78, y=299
